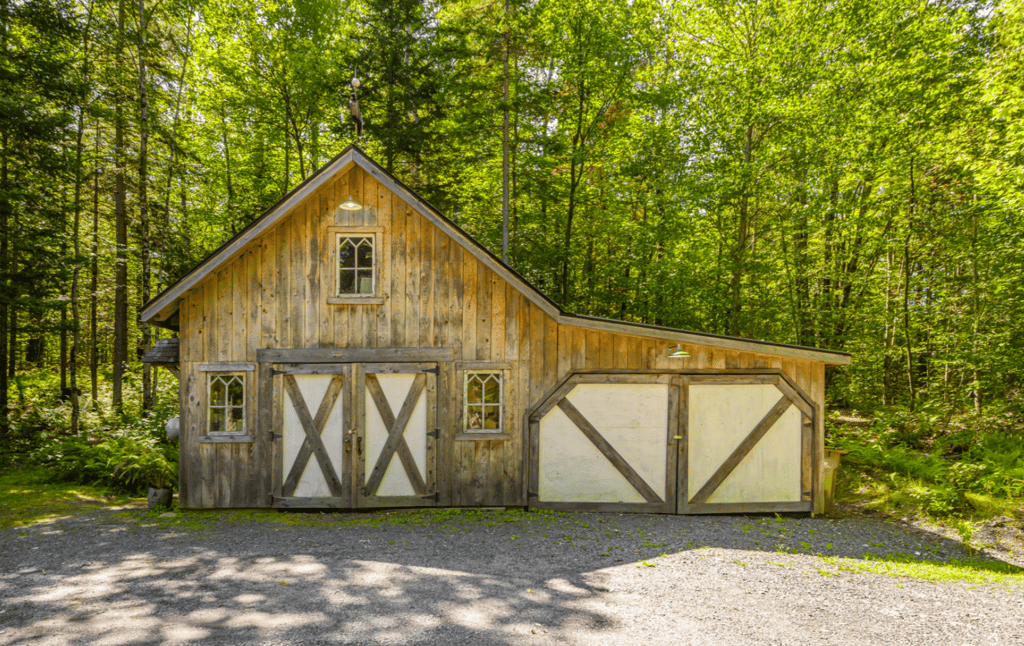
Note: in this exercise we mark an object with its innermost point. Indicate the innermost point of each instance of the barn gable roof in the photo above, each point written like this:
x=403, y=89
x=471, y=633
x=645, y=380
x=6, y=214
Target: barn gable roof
x=163, y=308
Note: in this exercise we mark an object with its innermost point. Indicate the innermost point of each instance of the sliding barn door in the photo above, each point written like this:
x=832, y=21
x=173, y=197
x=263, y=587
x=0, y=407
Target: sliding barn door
x=315, y=418
x=398, y=435
x=748, y=446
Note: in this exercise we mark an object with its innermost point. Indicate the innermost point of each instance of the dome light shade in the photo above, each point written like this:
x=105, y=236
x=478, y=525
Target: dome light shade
x=677, y=352
x=350, y=205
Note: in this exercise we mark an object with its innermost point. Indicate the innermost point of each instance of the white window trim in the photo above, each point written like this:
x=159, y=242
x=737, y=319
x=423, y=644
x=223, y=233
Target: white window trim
x=209, y=405
x=374, y=297
x=466, y=374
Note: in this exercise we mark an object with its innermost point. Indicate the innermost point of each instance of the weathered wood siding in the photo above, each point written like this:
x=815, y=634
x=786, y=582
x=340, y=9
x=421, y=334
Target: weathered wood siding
x=435, y=294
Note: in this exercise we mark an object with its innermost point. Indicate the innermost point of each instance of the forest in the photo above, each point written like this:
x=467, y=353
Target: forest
x=843, y=175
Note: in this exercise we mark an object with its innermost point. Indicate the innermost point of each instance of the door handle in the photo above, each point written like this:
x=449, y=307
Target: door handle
x=348, y=446
x=359, y=445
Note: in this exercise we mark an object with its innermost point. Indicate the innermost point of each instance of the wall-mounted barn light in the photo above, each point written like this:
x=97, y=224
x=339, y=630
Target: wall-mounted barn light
x=350, y=205
x=677, y=352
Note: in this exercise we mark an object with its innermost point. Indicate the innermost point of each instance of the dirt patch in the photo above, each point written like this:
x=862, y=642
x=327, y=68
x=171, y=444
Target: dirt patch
x=496, y=577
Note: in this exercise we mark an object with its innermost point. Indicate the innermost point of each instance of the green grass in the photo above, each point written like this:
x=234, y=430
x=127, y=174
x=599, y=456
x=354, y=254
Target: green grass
x=979, y=571
x=26, y=499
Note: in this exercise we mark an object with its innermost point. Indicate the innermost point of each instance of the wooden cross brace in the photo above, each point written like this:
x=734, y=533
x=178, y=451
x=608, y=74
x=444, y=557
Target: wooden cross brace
x=609, y=452
x=312, y=444
x=741, y=451
x=396, y=434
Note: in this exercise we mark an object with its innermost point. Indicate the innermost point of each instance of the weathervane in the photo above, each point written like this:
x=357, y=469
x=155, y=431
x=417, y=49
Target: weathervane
x=353, y=105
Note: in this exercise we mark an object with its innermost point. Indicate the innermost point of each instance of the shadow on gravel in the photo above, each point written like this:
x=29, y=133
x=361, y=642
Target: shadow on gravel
x=470, y=577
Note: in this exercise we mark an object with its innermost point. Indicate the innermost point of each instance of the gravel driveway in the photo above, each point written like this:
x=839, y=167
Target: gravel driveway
x=487, y=577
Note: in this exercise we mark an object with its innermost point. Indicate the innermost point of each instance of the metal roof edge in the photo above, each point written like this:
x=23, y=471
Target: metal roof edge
x=835, y=357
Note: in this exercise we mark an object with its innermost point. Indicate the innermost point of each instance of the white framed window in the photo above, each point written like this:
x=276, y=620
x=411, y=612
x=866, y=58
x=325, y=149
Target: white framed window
x=483, y=401
x=225, y=398
x=356, y=265
x=356, y=253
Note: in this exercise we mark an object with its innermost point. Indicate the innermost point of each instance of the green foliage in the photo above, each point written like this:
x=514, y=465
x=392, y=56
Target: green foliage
x=125, y=453
x=942, y=466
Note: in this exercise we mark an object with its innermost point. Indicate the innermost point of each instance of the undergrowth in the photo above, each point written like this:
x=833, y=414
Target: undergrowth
x=121, y=452
x=947, y=467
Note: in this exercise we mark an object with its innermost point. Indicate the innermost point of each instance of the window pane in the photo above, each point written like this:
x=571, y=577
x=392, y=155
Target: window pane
x=365, y=253
x=235, y=392
x=347, y=281
x=492, y=417
x=346, y=254
x=237, y=419
x=217, y=420
x=216, y=391
x=492, y=390
x=474, y=417
x=474, y=390
x=365, y=281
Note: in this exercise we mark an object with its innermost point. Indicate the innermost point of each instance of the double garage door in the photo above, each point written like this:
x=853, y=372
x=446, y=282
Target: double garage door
x=673, y=444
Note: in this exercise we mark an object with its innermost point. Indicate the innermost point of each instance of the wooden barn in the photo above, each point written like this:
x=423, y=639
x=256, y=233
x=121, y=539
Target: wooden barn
x=353, y=348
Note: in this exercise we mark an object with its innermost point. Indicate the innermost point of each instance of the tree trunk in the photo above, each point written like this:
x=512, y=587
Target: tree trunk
x=120, y=349
x=504, y=146
x=94, y=348
x=906, y=320
x=147, y=369
x=227, y=163
x=76, y=234
x=742, y=239
x=576, y=169
x=5, y=288
x=889, y=334
x=12, y=344
x=975, y=308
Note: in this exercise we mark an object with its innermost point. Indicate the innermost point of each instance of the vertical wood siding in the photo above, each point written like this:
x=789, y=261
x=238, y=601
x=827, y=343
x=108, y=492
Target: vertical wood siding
x=273, y=295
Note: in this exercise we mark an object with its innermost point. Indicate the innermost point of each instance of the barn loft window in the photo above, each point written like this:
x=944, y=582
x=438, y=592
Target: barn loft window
x=356, y=265
x=226, y=399
x=483, y=402
x=357, y=256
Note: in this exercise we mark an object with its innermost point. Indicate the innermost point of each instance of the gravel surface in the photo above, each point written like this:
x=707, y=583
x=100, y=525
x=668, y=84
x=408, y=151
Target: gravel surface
x=489, y=577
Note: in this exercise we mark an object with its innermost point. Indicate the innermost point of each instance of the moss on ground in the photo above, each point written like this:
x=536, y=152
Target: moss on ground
x=25, y=499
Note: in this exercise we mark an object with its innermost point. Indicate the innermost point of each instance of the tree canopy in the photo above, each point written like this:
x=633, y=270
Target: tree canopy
x=845, y=175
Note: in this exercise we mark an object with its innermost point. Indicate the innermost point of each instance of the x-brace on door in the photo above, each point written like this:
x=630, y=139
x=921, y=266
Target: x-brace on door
x=396, y=433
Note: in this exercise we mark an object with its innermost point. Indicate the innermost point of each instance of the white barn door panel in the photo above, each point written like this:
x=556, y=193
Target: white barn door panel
x=606, y=446
x=314, y=434
x=397, y=448
x=745, y=447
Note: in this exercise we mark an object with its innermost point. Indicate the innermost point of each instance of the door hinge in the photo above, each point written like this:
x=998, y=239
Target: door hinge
x=436, y=497
x=436, y=370
x=274, y=436
x=436, y=433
